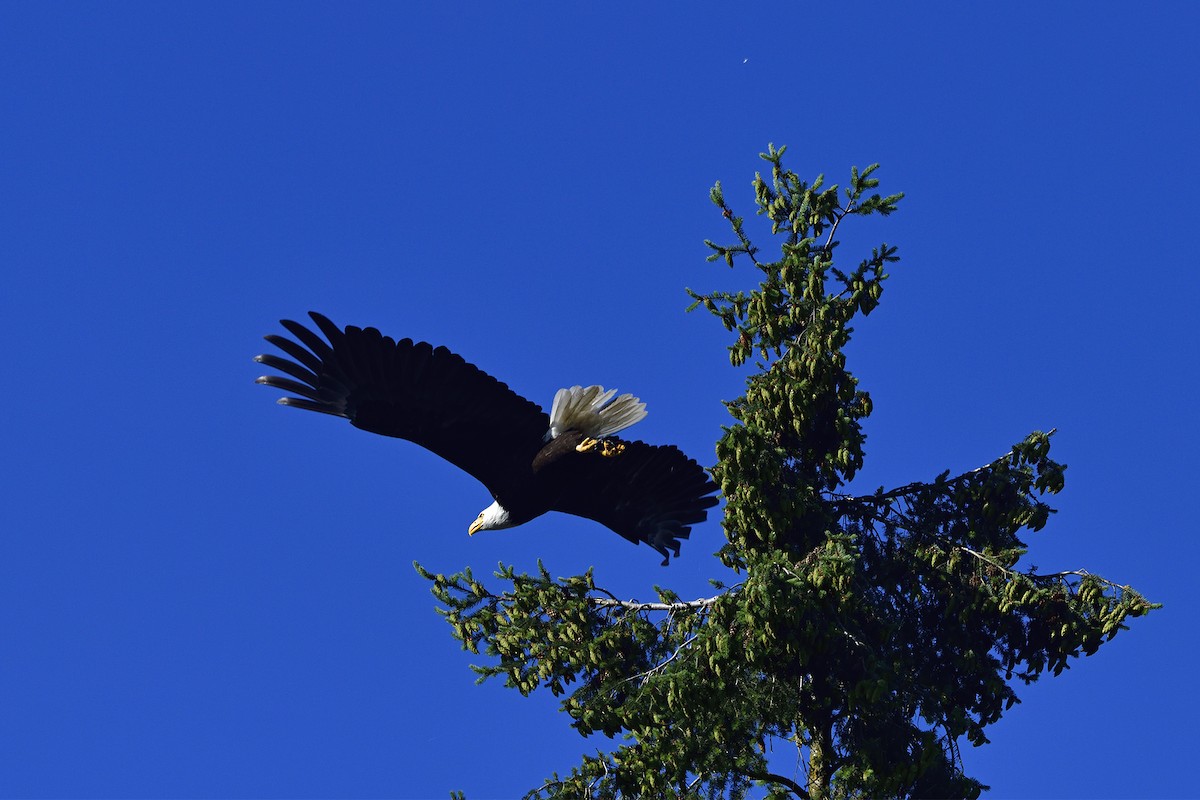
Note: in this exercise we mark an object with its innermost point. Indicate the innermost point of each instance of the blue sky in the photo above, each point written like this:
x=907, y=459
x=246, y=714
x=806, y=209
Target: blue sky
x=203, y=594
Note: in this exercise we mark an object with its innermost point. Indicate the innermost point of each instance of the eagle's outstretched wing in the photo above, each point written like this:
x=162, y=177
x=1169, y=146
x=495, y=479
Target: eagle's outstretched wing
x=647, y=493
x=414, y=391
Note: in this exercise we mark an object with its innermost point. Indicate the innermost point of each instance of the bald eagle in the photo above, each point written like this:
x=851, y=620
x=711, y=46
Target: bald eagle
x=531, y=462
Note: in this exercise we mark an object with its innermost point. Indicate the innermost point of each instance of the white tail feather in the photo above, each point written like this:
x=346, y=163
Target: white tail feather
x=593, y=411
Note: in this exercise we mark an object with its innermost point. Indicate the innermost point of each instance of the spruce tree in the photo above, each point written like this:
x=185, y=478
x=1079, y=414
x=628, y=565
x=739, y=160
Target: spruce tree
x=873, y=633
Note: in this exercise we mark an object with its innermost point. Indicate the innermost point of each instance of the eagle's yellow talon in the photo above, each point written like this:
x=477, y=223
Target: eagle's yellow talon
x=608, y=448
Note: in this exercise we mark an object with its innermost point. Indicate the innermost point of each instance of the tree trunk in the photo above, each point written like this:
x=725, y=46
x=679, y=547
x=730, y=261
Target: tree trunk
x=820, y=760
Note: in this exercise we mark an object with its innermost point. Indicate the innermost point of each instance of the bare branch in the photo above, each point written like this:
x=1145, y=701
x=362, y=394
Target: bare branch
x=788, y=783
x=633, y=605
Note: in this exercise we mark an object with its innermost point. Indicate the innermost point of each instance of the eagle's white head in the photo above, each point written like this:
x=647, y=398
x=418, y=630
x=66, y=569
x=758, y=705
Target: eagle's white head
x=492, y=518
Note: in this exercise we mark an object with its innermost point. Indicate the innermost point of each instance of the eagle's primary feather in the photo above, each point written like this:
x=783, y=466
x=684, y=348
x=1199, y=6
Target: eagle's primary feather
x=530, y=462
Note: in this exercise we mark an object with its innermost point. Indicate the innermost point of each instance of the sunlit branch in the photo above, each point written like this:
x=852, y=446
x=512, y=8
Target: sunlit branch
x=633, y=605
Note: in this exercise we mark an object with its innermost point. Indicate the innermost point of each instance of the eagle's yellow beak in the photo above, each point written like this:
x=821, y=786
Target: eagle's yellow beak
x=475, y=526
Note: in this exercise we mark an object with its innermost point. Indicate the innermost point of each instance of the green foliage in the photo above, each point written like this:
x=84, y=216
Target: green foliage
x=869, y=634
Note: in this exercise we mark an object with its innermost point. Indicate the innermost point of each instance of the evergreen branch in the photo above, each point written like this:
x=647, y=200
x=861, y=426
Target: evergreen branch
x=788, y=783
x=916, y=486
x=598, y=778
x=997, y=564
x=828, y=246
x=739, y=229
x=616, y=600
x=658, y=667
x=544, y=787
x=1047, y=578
